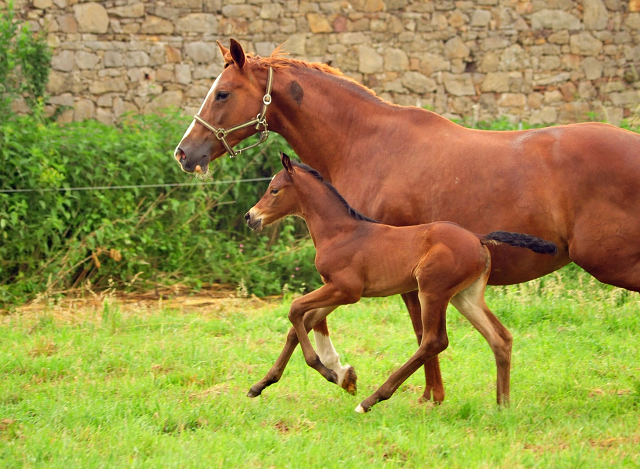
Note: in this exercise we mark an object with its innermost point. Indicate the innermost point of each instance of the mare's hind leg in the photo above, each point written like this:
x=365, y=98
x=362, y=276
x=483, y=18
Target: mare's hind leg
x=433, y=378
x=470, y=302
x=311, y=319
x=347, y=378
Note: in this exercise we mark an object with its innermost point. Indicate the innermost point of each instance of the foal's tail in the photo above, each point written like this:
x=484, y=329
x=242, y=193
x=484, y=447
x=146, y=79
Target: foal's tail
x=520, y=240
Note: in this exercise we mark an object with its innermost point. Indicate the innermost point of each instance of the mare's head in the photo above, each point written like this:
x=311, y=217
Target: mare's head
x=280, y=200
x=235, y=98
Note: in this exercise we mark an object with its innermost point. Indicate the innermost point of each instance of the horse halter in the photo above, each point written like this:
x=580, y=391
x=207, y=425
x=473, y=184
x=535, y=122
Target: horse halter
x=259, y=120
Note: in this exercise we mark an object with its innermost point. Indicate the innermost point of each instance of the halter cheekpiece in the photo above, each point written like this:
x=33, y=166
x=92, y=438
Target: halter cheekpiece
x=259, y=120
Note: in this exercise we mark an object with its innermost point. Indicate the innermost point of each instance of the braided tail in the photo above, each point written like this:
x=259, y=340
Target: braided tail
x=520, y=240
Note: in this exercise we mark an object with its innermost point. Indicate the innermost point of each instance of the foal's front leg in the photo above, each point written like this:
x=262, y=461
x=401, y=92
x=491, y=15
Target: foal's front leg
x=327, y=295
x=275, y=373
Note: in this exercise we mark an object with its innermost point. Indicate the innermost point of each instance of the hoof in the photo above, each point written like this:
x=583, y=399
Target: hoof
x=350, y=381
x=360, y=409
x=253, y=393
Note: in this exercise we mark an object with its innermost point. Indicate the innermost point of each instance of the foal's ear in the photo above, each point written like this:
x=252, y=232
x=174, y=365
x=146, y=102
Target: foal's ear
x=223, y=50
x=286, y=162
x=237, y=53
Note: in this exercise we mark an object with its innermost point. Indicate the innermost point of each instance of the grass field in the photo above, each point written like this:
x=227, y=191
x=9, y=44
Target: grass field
x=152, y=385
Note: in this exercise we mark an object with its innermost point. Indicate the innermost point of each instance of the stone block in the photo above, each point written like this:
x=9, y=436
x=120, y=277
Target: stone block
x=198, y=23
x=91, y=17
x=65, y=99
x=190, y=4
x=592, y=68
x=514, y=58
x=264, y=49
x=63, y=61
x=632, y=21
x=172, y=54
x=395, y=60
x=164, y=101
x=546, y=115
x=625, y=98
x=544, y=79
x=455, y=48
x=108, y=85
x=431, y=63
x=135, y=10
x=512, y=100
x=105, y=116
x=295, y=44
x=201, y=52
x=551, y=97
x=495, y=42
x=156, y=25
x=271, y=11
x=595, y=14
x=60, y=83
x=459, y=84
x=136, y=58
x=585, y=44
x=319, y=23
x=561, y=37
x=418, y=83
x=480, y=18
x=42, y=4
x=554, y=19
x=183, y=74
x=369, y=61
x=86, y=60
x=316, y=45
x=168, y=13
x=457, y=19
x=85, y=109
x=497, y=82
x=67, y=24
x=490, y=62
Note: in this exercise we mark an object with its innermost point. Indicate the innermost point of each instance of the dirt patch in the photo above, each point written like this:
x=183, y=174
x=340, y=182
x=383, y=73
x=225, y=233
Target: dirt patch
x=82, y=304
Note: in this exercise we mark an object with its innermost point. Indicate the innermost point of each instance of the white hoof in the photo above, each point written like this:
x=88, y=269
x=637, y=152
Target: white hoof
x=360, y=410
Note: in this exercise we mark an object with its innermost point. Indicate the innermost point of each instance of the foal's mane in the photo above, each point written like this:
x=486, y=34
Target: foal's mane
x=352, y=212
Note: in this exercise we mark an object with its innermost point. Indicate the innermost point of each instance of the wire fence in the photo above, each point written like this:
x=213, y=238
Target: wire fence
x=103, y=188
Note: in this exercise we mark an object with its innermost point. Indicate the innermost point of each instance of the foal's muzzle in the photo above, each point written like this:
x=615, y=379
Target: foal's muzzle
x=254, y=223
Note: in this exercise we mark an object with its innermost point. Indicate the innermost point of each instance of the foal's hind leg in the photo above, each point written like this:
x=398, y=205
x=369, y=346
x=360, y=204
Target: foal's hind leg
x=434, y=341
x=275, y=373
x=470, y=302
x=433, y=378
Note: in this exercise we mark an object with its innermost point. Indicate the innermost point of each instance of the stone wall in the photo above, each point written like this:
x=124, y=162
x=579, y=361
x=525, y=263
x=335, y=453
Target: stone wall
x=541, y=61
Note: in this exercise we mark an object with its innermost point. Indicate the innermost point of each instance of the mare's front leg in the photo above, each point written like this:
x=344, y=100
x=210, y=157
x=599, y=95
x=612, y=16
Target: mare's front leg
x=311, y=319
x=434, y=341
x=327, y=295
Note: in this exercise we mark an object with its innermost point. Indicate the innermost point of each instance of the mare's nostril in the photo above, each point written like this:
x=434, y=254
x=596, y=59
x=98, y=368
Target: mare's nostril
x=180, y=155
x=247, y=217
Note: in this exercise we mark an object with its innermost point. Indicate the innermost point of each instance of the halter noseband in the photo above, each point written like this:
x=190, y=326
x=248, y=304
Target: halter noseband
x=259, y=120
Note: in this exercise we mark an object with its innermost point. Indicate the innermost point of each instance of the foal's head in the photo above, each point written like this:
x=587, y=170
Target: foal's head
x=280, y=200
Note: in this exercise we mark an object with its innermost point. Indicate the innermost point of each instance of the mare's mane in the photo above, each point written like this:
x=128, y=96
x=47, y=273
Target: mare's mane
x=352, y=212
x=279, y=60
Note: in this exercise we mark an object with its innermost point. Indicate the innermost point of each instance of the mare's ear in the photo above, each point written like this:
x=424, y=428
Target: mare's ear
x=286, y=162
x=223, y=50
x=237, y=53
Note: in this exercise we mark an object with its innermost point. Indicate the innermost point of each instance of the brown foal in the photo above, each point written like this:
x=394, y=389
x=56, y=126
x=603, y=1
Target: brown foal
x=357, y=256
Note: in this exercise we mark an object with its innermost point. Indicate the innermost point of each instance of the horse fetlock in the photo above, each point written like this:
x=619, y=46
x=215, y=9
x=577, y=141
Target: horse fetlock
x=350, y=381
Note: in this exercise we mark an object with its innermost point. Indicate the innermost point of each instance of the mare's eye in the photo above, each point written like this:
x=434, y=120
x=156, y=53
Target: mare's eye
x=222, y=95
x=275, y=191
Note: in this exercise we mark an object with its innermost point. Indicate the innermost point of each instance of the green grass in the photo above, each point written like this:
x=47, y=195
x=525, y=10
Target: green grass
x=133, y=386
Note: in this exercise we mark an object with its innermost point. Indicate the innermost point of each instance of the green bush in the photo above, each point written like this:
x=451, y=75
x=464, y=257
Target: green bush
x=192, y=235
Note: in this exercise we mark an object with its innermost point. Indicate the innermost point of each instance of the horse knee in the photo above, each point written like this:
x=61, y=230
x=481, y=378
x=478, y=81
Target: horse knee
x=433, y=346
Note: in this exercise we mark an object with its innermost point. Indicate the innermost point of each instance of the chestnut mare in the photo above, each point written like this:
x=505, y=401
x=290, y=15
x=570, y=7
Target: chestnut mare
x=576, y=185
x=357, y=256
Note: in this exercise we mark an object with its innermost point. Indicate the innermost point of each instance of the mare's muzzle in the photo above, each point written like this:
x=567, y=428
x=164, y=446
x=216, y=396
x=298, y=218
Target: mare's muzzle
x=192, y=163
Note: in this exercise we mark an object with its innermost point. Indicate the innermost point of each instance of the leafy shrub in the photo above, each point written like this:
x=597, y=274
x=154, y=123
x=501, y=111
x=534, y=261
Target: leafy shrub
x=191, y=235
x=25, y=60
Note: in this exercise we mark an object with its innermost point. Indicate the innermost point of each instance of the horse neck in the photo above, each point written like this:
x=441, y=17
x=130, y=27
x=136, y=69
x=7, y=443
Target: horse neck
x=324, y=214
x=324, y=117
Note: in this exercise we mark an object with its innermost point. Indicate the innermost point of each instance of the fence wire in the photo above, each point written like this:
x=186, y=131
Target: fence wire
x=103, y=188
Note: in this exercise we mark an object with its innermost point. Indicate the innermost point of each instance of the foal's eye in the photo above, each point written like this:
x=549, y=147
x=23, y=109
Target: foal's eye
x=222, y=95
x=275, y=191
